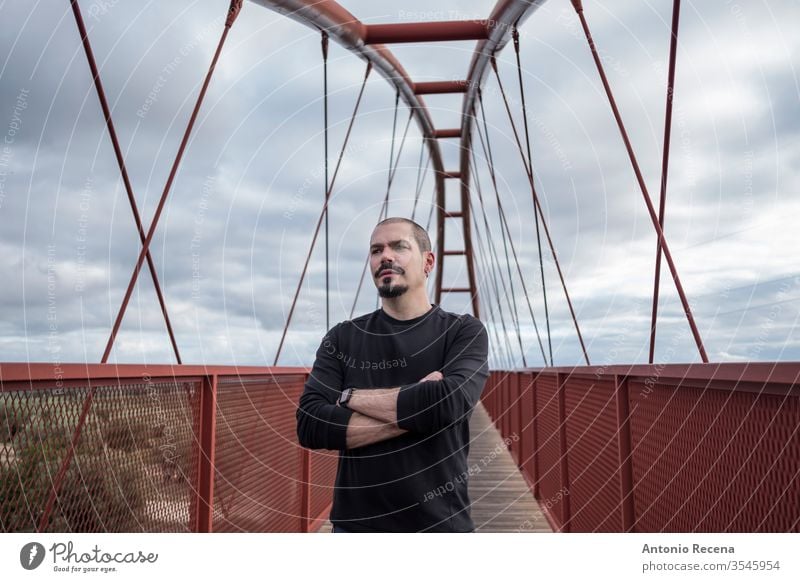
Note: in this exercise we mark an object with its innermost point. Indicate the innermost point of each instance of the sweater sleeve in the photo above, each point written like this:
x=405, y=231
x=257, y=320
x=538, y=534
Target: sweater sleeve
x=428, y=407
x=320, y=423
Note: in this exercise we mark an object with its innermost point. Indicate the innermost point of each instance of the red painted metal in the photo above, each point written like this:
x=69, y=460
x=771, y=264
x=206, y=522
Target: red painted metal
x=593, y=445
x=453, y=214
x=566, y=514
x=322, y=476
x=452, y=253
x=207, y=456
x=673, y=51
x=232, y=13
x=526, y=442
x=305, y=489
x=734, y=456
x=505, y=15
x=549, y=449
x=259, y=482
x=447, y=133
x=112, y=133
x=535, y=440
x=625, y=453
x=662, y=241
x=22, y=375
x=237, y=477
x=517, y=420
x=453, y=175
x=426, y=32
x=680, y=447
x=352, y=34
x=439, y=87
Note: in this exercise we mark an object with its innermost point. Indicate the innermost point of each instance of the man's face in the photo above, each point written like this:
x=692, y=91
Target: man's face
x=395, y=260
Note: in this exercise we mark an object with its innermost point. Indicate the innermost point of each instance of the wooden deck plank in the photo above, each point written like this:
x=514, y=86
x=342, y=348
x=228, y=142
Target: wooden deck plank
x=501, y=499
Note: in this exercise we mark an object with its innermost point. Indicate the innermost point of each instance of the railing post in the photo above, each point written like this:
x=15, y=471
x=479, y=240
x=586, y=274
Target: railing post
x=515, y=424
x=305, y=489
x=566, y=514
x=625, y=455
x=535, y=438
x=520, y=420
x=203, y=518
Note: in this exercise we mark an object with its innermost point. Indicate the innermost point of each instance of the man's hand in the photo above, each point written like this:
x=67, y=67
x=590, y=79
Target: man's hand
x=434, y=376
x=380, y=403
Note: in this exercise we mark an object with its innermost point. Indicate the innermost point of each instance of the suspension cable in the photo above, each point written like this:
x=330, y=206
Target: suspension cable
x=489, y=262
x=537, y=203
x=511, y=298
x=673, y=50
x=486, y=260
x=389, y=174
x=515, y=36
x=434, y=249
x=487, y=151
x=501, y=356
x=430, y=212
x=662, y=241
x=421, y=173
x=322, y=213
x=385, y=206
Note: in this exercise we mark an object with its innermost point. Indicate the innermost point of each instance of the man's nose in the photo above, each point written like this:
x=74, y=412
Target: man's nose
x=387, y=256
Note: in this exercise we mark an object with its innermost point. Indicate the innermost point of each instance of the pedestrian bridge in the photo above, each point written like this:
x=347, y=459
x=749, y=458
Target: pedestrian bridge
x=656, y=447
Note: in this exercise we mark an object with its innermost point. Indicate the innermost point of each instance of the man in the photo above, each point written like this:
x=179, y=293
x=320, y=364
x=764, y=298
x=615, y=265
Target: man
x=393, y=391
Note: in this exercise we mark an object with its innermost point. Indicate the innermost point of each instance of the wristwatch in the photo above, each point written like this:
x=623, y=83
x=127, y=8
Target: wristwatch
x=347, y=394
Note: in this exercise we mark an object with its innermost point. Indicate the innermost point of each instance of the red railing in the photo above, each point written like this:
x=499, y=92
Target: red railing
x=673, y=448
x=706, y=447
x=163, y=448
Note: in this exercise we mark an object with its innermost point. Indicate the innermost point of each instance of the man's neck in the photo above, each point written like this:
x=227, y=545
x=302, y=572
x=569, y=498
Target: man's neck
x=406, y=306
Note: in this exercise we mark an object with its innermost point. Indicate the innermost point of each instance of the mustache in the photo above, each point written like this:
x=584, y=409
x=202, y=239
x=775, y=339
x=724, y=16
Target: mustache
x=386, y=267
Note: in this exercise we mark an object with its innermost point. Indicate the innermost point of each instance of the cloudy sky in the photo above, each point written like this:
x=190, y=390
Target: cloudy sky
x=234, y=234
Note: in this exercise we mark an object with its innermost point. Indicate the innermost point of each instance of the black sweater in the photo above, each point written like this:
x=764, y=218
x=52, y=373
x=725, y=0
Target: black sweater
x=416, y=481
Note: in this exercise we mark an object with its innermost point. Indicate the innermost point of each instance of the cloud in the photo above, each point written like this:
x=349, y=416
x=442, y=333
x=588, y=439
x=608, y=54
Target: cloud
x=237, y=225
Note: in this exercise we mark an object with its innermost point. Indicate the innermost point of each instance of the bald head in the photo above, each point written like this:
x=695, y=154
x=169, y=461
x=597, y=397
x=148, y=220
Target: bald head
x=419, y=233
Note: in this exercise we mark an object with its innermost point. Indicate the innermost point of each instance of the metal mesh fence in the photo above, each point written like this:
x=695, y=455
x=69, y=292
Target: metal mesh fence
x=712, y=448
x=258, y=482
x=131, y=468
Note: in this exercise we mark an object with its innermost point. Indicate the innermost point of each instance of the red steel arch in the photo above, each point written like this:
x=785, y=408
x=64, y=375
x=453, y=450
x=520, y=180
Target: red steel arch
x=366, y=42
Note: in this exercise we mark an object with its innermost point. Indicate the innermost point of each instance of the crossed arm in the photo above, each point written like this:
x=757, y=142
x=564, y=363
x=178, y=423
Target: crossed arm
x=375, y=414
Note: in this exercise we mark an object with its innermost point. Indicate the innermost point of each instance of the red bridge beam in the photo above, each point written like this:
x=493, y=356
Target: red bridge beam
x=432, y=87
x=426, y=31
x=445, y=133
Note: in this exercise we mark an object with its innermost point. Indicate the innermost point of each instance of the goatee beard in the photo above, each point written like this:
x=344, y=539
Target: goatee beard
x=388, y=291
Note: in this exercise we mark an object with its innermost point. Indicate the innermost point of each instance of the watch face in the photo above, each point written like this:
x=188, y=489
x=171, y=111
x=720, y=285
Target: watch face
x=346, y=395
